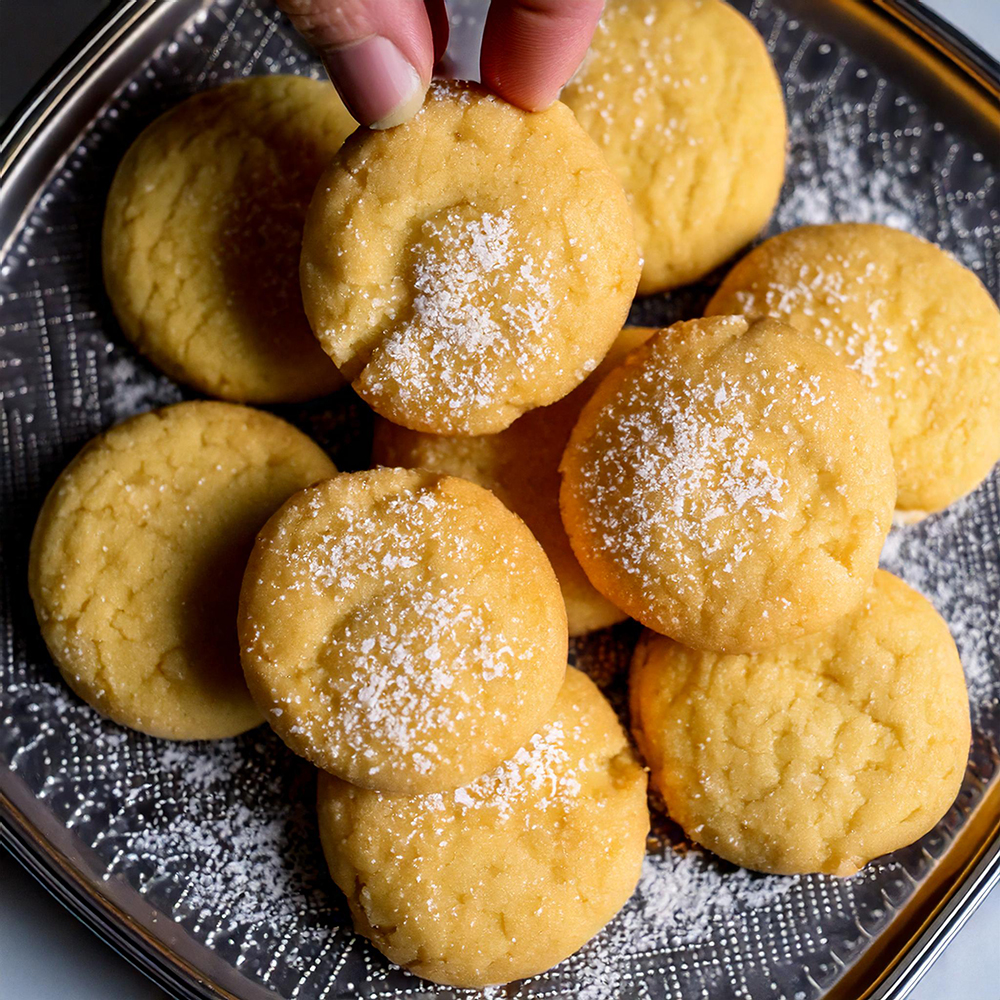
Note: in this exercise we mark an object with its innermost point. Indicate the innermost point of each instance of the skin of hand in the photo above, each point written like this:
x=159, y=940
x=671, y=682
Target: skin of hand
x=380, y=54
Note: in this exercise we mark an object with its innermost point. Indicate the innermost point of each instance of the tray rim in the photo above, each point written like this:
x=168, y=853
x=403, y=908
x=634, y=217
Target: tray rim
x=135, y=940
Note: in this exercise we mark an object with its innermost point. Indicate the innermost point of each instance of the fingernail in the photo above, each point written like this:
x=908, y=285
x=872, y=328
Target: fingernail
x=377, y=83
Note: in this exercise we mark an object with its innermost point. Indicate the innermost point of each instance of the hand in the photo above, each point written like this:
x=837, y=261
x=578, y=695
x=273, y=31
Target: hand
x=380, y=53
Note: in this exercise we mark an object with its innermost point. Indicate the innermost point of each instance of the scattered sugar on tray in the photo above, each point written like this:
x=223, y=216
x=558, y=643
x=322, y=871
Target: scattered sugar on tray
x=174, y=819
x=136, y=389
x=844, y=173
x=681, y=899
x=230, y=857
x=952, y=559
x=833, y=185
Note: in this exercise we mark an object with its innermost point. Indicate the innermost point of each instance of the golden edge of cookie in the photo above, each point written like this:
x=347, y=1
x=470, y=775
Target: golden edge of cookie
x=114, y=224
x=43, y=524
x=605, y=583
x=840, y=864
x=39, y=534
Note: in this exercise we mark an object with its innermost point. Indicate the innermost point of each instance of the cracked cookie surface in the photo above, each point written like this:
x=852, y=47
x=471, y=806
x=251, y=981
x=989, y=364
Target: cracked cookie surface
x=137, y=557
x=817, y=756
x=917, y=326
x=730, y=485
x=469, y=265
x=521, y=466
x=385, y=632
x=504, y=877
x=682, y=99
x=202, y=233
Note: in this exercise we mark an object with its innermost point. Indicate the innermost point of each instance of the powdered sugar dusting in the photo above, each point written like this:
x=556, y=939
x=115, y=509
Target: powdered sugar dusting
x=833, y=184
x=217, y=860
x=482, y=296
x=396, y=687
x=682, y=897
x=412, y=657
x=677, y=472
x=705, y=470
x=454, y=290
x=685, y=898
x=135, y=389
x=540, y=773
x=161, y=821
x=846, y=172
x=840, y=284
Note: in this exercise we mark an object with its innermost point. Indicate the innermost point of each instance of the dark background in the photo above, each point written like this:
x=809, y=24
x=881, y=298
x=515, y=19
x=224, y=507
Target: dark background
x=33, y=34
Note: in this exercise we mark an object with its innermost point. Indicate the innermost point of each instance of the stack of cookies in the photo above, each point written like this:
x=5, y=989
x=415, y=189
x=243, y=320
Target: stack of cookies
x=538, y=472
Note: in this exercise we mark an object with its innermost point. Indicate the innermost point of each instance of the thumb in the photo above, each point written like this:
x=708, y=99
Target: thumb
x=379, y=55
x=532, y=47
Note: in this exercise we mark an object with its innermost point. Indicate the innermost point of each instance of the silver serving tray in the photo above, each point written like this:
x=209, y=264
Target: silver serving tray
x=200, y=862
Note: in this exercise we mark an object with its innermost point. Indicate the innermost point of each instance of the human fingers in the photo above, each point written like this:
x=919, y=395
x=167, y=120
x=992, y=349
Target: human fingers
x=380, y=56
x=532, y=47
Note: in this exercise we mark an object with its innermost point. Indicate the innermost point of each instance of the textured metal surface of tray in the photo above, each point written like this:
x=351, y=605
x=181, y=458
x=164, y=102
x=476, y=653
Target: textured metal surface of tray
x=201, y=861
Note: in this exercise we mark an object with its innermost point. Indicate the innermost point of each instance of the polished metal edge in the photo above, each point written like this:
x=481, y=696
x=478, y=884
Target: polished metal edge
x=961, y=49
x=958, y=907
x=35, y=141
x=38, y=136
x=106, y=922
x=56, y=111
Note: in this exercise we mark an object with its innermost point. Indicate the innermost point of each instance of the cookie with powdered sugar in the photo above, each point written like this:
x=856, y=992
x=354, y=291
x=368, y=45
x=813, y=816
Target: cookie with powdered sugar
x=919, y=328
x=468, y=265
x=508, y=875
x=730, y=485
x=202, y=232
x=401, y=629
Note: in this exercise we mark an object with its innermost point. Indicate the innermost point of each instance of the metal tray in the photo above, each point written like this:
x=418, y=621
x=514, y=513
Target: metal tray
x=200, y=862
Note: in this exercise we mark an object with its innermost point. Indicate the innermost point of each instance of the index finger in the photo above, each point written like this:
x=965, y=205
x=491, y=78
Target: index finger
x=532, y=47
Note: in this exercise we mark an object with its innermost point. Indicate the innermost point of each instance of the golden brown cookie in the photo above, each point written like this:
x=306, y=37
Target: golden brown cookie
x=521, y=466
x=469, y=265
x=137, y=557
x=504, y=877
x=920, y=329
x=816, y=756
x=202, y=234
x=730, y=485
x=681, y=97
x=401, y=629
